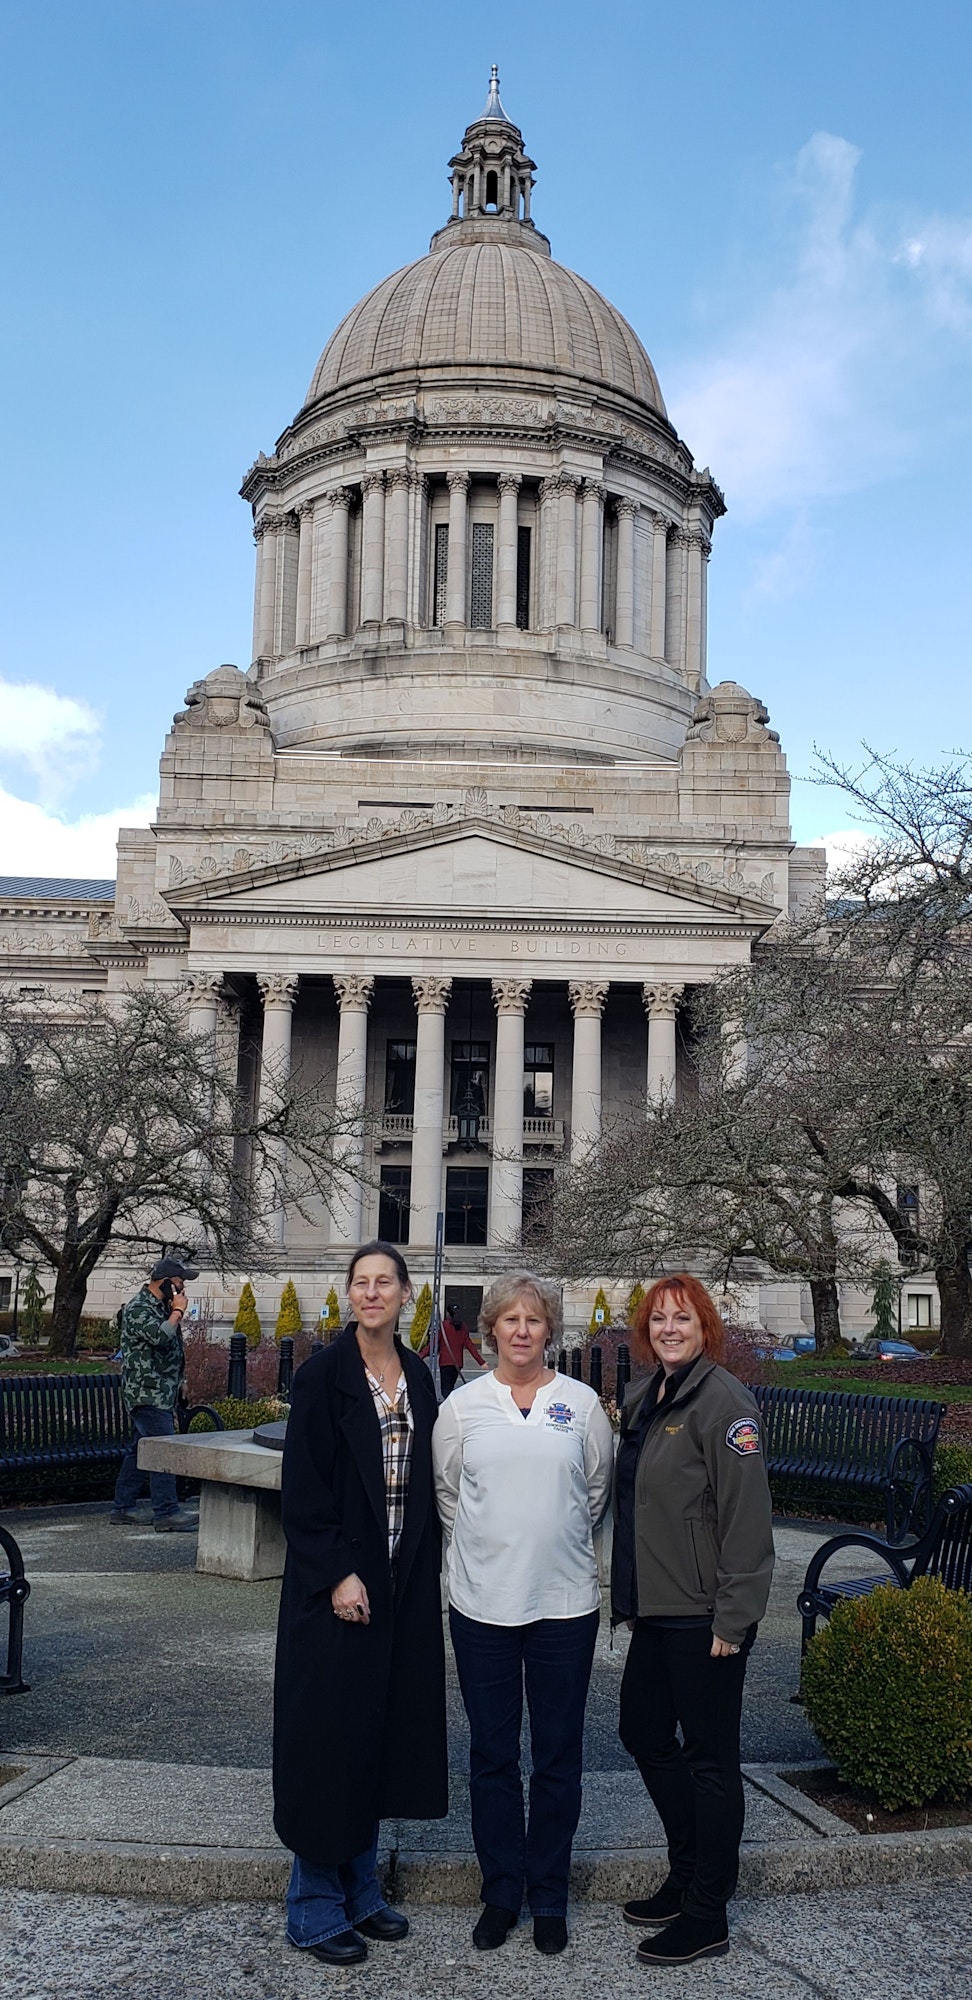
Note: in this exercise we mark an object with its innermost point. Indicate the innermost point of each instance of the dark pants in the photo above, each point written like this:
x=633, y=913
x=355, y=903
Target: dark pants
x=448, y=1376
x=146, y=1423
x=671, y=1681
x=554, y=1657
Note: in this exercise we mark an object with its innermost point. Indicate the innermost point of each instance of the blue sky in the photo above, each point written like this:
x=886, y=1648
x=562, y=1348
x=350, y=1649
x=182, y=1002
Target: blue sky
x=779, y=198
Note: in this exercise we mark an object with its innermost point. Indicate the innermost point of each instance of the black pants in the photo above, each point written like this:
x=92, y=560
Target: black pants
x=672, y=1682
x=448, y=1376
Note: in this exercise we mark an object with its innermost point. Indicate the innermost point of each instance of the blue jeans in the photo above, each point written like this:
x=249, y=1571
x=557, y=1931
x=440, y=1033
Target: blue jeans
x=322, y=1902
x=554, y=1656
x=146, y=1423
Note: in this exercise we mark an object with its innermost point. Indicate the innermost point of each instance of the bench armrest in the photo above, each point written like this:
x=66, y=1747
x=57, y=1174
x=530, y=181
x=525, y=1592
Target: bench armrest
x=11, y=1549
x=873, y=1543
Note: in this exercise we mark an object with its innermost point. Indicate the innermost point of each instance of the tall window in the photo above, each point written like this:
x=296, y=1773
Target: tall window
x=538, y=1080
x=481, y=604
x=6, y=1286
x=393, y=1202
x=440, y=573
x=470, y=1065
x=465, y=1209
x=537, y=1189
x=400, y=1076
x=919, y=1309
x=523, y=579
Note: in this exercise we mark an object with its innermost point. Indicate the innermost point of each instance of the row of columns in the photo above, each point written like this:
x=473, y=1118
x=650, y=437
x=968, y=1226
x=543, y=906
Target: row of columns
x=431, y=993
x=302, y=588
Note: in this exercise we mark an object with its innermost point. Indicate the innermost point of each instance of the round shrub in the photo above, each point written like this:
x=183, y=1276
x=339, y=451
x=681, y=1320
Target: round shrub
x=953, y=1467
x=888, y=1689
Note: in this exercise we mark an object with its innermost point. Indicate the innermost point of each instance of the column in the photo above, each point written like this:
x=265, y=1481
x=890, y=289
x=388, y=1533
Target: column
x=305, y=573
x=591, y=547
x=431, y=1001
x=278, y=991
x=332, y=545
x=624, y=594
x=659, y=568
x=587, y=997
x=458, y=484
x=675, y=594
x=696, y=553
x=509, y=487
x=354, y=991
x=510, y=997
x=396, y=544
x=373, y=548
x=566, y=611
x=285, y=595
x=660, y=1004
x=205, y=991
x=265, y=536
x=547, y=553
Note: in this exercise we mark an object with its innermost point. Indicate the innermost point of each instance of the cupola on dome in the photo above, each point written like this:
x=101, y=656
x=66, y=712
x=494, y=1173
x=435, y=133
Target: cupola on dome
x=488, y=295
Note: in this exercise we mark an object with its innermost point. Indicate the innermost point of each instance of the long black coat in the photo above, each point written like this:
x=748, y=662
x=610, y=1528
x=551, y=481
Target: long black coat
x=359, y=1710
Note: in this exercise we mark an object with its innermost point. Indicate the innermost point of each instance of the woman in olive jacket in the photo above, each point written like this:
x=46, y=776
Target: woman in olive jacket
x=691, y=1571
x=359, y=1692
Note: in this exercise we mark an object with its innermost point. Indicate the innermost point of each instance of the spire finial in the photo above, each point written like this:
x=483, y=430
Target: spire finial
x=494, y=108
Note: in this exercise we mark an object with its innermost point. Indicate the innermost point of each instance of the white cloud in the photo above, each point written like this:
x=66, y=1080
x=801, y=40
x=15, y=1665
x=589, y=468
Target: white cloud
x=36, y=842
x=47, y=732
x=843, y=847
x=814, y=392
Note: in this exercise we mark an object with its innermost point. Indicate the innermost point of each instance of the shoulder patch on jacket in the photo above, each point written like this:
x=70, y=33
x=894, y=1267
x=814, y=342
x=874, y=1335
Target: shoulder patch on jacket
x=743, y=1436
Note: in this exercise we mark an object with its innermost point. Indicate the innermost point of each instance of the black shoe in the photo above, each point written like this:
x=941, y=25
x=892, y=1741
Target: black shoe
x=660, y=1908
x=494, y=1927
x=683, y=1939
x=347, y=1948
x=179, y=1524
x=125, y=1520
x=550, y=1934
x=384, y=1926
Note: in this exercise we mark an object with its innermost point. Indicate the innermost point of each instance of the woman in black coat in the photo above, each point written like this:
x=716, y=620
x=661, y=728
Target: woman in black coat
x=359, y=1693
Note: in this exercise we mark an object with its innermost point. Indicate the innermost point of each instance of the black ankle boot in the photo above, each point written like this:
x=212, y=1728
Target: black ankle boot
x=686, y=1938
x=494, y=1927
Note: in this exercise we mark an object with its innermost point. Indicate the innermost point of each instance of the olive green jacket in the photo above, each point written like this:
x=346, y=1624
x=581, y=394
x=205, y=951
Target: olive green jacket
x=703, y=1527
x=153, y=1362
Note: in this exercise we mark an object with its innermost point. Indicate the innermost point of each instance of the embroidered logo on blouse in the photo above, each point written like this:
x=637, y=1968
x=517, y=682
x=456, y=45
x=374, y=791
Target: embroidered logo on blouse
x=743, y=1436
x=560, y=1416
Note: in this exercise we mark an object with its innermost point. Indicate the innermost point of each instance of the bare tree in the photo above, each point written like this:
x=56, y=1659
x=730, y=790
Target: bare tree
x=119, y=1128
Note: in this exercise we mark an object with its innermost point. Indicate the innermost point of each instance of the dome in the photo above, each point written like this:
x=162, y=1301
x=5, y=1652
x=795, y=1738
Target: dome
x=487, y=305
x=475, y=304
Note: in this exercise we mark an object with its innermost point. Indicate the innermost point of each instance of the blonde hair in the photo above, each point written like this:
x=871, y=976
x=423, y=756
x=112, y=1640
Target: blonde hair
x=507, y=1290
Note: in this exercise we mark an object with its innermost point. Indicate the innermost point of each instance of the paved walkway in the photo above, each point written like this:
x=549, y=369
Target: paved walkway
x=137, y=1766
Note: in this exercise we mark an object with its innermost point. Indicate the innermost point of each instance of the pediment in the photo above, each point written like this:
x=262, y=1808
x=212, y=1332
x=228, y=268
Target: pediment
x=471, y=865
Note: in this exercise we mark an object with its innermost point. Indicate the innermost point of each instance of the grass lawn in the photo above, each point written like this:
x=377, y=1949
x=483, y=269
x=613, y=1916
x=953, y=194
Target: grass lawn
x=867, y=1382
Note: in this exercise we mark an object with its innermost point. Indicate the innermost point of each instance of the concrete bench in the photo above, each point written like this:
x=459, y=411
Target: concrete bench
x=239, y=1500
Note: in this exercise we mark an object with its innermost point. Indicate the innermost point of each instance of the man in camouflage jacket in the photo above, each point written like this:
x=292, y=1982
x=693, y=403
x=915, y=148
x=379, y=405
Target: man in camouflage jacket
x=153, y=1365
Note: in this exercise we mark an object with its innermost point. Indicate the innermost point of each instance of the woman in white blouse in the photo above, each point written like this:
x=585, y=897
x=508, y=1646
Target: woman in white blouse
x=523, y=1464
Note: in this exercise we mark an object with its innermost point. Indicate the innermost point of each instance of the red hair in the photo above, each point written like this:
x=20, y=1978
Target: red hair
x=686, y=1291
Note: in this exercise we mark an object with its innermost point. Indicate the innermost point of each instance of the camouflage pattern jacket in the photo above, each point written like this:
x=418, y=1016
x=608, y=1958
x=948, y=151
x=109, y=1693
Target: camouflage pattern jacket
x=153, y=1362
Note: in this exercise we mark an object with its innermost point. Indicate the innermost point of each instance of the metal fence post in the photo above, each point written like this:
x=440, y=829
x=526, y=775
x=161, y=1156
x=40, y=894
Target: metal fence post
x=236, y=1378
x=624, y=1373
x=576, y=1364
x=596, y=1374
x=285, y=1366
x=562, y=1362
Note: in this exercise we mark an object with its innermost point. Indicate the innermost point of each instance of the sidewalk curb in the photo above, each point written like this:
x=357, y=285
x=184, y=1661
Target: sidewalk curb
x=193, y=1876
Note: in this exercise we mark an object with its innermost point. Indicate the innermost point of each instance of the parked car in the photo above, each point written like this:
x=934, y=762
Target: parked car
x=774, y=1354
x=890, y=1350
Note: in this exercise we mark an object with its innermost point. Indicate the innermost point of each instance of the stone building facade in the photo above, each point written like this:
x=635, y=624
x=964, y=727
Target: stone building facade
x=473, y=823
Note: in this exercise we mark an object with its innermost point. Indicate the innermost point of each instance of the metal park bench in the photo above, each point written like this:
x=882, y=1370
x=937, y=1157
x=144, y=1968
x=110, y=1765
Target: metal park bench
x=14, y=1592
x=944, y=1551
x=49, y=1421
x=869, y=1444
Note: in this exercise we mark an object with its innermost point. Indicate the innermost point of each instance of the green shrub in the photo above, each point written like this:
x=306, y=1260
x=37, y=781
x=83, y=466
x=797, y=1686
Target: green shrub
x=288, y=1318
x=330, y=1321
x=888, y=1689
x=635, y=1297
x=240, y=1416
x=247, y=1318
x=953, y=1467
x=600, y=1306
x=421, y=1318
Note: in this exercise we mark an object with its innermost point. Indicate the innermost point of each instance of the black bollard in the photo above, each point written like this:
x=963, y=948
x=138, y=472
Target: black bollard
x=285, y=1366
x=596, y=1374
x=236, y=1379
x=562, y=1361
x=624, y=1374
x=577, y=1364
x=317, y=1346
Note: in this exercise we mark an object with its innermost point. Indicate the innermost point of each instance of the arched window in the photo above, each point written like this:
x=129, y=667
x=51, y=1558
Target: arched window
x=492, y=189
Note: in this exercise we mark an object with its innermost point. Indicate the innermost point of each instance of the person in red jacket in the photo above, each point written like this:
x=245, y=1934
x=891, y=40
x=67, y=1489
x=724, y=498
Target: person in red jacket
x=454, y=1342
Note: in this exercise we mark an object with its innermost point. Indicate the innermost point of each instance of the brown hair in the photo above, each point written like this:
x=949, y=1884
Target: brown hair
x=686, y=1291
